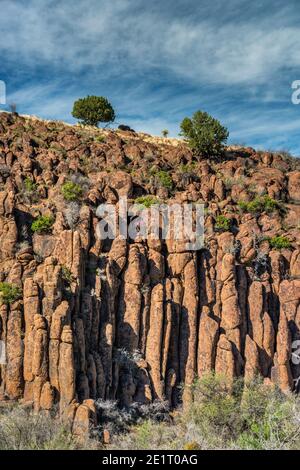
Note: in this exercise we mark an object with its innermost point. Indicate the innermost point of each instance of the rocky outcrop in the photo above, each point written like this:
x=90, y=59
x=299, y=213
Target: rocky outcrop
x=131, y=320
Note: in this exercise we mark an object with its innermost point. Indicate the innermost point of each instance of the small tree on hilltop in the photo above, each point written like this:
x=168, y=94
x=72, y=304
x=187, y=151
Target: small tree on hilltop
x=204, y=134
x=92, y=110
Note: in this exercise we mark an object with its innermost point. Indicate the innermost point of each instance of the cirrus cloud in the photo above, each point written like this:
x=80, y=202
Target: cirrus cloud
x=157, y=62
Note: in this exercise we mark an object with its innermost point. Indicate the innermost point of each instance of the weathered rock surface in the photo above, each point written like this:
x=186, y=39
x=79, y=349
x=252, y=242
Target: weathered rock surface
x=132, y=319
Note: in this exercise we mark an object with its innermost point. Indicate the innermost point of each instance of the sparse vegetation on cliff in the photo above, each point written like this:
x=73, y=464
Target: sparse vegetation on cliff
x=146, y=201
x=66, y=274
x=223, y=415
x=261, y=204
x=278, y=242
x=223, y=224
x=71, y=191
x=30, y=185
x=42, y=224
x=164, y=179
x=222, y=307
x=9, y=293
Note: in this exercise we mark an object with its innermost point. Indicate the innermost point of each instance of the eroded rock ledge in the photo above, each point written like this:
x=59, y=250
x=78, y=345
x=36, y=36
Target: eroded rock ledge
x=132, y=321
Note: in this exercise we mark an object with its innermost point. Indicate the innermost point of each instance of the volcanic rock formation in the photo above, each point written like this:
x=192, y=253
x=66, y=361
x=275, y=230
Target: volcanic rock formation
x=132, y=320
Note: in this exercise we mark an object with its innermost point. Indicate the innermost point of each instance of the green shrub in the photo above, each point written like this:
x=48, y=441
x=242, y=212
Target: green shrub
x=278, y=242
x=71, y=191
x=143, y=435
x=268, y=418
x=30, y=185
x=148, y=435
x=42, y=223
x=146, y=201
x=224, y=414
x=243, y=415
x=165, y=132
x=164, y=179
x=92, y=110
x=215, y=405
x=99, y=138
x=204, y=134
x=223, y=224
x=9, y=293
x=66, y=275
x=187, y=167
x=260, y=204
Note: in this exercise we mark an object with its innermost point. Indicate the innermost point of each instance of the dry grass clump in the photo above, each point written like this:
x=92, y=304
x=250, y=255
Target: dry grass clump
x=21, y=429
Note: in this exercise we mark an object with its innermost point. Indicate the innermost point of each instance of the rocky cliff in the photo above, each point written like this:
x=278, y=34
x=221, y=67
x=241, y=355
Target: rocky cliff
x=132, y=320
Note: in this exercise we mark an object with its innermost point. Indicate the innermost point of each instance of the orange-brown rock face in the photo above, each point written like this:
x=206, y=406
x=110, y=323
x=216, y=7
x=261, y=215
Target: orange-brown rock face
x=133, y=319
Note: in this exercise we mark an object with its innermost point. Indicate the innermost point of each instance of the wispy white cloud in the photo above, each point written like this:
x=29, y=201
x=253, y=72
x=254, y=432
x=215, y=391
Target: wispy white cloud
x=157, y=61
x=80, y=34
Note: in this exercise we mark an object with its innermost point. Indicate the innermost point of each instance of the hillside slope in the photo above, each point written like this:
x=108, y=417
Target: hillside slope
x=132, y=320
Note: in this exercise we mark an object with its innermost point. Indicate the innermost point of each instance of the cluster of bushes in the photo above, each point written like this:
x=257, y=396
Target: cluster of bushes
x=71, y=191
x=9, y=293
x=99, y=138
x=261, y=204
x=119, y=421
x=223, y=415
x=66, y=275
x=162, y=178
x=30, y=186
x=279, y=242
x=204, y=134
x=223, y=224
x=165, y=179
x=146, y=201
x=187, y=168
x=21, y=429
x=42, y=224
x=29, y=193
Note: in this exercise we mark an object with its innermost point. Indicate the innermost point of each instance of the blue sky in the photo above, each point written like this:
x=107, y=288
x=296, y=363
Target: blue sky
x=159, y=61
